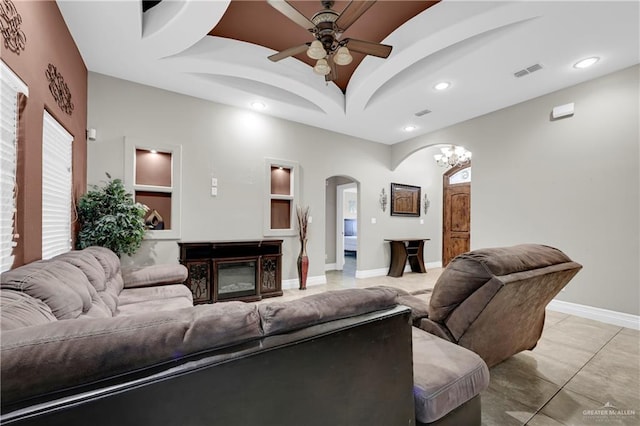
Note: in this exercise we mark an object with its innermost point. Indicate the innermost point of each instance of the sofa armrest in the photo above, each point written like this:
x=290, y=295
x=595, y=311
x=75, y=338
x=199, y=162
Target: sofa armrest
x=419, y=306
x=154, y=275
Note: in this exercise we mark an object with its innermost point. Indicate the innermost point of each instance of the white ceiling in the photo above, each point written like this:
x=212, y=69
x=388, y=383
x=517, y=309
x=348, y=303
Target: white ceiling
x=475, y=45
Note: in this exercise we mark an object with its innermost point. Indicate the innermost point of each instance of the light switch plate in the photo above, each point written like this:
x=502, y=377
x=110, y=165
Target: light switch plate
x=373, y=220
x=214, y=181
x=214, y=191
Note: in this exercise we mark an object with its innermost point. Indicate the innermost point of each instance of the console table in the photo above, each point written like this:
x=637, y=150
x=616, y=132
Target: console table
x=232, y=270
x=408, y=248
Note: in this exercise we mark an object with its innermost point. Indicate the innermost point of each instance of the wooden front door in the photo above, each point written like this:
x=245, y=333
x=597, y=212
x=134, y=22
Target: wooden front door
x=456, y=221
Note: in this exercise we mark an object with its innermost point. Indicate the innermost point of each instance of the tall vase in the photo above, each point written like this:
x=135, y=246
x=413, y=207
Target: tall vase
x=303, y=265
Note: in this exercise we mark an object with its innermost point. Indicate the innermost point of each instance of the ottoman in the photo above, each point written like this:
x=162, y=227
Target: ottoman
x=447, y=381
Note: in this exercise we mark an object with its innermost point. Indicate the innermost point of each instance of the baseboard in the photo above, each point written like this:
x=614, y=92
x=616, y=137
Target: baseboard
x=433, y=264
x=372, y=273
x=311, y=281
x=369, y=273
x=330, y=266
x=598, y=314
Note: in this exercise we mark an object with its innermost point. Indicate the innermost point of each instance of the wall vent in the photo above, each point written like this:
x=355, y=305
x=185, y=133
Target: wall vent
x=423, y=112
x=528, y=70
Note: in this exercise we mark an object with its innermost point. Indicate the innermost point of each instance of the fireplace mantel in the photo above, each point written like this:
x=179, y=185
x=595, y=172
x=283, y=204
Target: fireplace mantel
x=214, y=265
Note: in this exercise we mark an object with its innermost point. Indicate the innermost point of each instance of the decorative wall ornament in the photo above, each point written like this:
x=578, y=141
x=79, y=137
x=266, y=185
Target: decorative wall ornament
x=10, y=21
x=426, y=203
x=405, y=200
x=383, y=200
x=59, y=89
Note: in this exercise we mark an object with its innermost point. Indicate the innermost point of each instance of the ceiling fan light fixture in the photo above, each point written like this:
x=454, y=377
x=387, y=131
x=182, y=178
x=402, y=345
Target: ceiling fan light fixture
x=322, y=67
x=343, y=56
x=316, y=50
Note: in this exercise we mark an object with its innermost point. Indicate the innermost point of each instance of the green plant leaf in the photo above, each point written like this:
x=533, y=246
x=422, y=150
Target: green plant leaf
x=109, y=217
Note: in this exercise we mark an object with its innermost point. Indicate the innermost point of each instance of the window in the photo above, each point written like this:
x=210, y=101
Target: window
x=10, y=86
x=461, y=176
x=56, y=188
x=152, y=174
x=282, y=187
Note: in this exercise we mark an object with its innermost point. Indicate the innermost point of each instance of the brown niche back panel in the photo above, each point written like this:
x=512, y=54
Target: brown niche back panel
x=153, y=168
x=158, y=201
x=280, y=181
x=280, y=214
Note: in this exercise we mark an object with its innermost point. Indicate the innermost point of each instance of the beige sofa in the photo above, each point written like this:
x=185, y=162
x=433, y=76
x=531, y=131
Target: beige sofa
x=82, y=340
x=88, y=283
x=492, y=301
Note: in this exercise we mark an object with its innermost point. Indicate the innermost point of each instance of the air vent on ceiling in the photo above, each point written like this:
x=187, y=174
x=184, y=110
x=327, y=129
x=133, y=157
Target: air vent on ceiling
x=528, y=70
x=423, y=112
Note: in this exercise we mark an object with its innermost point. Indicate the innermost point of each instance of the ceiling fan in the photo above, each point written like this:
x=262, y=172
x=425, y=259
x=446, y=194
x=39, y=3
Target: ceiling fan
x=327, y=27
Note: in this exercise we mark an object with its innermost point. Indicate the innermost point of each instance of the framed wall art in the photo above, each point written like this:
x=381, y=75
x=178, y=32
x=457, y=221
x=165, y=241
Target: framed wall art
x=405, y=200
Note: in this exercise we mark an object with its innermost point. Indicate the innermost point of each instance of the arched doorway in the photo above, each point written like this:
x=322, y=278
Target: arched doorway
x=341, y=225
x=456, y=212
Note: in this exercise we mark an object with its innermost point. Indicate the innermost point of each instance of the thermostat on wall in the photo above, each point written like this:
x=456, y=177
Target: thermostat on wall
x=562, y=110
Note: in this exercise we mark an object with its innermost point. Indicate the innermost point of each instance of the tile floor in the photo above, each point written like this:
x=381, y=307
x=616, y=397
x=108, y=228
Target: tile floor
x=579, y=366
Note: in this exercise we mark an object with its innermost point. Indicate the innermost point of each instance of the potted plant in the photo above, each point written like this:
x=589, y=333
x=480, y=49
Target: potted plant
x=303, y=261
x=110, y=218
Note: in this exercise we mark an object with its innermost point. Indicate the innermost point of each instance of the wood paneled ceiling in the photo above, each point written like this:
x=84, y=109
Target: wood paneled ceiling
x=258, y=23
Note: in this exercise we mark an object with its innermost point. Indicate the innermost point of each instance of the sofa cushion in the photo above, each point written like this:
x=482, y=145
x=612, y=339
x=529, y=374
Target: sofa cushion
x=445, y=376
x=279, y=317
x=110, y=263
x=143, y=294
x=67, y=353
x=18, y=309
x=62, y=286
x=135, y=301
x=467, y=272
x=154, y=275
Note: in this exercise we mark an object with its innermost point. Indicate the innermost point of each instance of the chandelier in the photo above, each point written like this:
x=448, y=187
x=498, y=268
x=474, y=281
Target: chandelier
x=453, y=156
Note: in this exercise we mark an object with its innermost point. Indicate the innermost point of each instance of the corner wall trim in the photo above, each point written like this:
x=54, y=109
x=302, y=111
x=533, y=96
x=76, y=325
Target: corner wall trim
x=293, y=284
x=372, y=273
x=598, y=314
x=330, y=266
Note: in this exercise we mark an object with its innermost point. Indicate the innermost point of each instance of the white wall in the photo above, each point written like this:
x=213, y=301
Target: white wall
x=572, y=183
x=230, y=144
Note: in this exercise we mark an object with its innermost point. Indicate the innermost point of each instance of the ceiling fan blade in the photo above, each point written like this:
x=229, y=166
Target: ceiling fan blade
x=292, y=51
x=334, y=72
x=292, y=13
x=368, y=48
x=351, y=13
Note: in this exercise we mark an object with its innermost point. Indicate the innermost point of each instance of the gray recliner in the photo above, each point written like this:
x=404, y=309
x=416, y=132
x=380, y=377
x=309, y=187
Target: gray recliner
x=492, y=301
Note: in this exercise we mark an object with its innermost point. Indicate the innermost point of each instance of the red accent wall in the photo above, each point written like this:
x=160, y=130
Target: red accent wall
x=48, y=42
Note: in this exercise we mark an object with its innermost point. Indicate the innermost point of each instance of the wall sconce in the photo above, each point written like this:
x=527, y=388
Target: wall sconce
x=383, y=200
x=426, y=204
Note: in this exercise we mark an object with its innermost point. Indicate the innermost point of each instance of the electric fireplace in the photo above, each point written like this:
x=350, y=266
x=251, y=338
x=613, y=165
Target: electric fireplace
x=235, y=279
x=245, y=270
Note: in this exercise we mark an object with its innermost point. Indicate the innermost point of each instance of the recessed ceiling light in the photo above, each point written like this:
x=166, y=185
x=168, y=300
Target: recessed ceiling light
x=258, y=105
x=153, y=151
x=586, y=63
x=443, y=85
x=409, y=128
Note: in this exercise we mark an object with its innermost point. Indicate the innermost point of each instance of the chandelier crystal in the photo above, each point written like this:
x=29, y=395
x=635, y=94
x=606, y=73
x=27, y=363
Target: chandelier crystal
x=453, y=156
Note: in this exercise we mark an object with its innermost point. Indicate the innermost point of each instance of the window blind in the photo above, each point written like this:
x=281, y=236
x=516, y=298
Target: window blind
x=56, y=188
x=10, y=86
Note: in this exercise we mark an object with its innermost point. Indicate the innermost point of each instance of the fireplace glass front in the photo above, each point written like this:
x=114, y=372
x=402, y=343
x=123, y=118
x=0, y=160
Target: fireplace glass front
x=236, y=279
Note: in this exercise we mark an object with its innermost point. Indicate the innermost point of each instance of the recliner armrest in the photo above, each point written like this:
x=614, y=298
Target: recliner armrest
x=419, y=307
x=154, y=275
